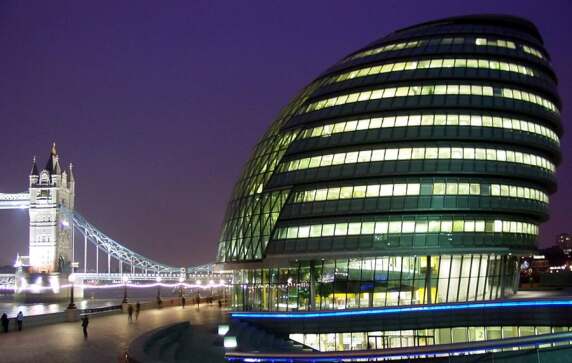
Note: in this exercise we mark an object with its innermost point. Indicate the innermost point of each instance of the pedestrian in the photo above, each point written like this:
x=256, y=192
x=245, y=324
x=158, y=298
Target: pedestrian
x=84, y=324
x=19, y=320
x=5, y=322
x=198, y=301
x=183, y=301
x=137, y=310
x=219, y=303
x=130, y=313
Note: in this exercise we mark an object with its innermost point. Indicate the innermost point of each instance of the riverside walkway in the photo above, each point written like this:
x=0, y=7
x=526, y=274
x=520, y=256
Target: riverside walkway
x=109, y=336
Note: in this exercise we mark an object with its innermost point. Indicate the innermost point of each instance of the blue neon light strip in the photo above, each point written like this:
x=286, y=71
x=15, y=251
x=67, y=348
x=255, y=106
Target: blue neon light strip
x=407, y=309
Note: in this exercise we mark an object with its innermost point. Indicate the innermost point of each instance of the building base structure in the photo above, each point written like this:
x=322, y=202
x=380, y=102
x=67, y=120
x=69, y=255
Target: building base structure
x=505, y=330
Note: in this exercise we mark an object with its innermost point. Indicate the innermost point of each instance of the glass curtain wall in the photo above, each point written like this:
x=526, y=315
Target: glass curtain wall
x=330, y=342
x=375, y=282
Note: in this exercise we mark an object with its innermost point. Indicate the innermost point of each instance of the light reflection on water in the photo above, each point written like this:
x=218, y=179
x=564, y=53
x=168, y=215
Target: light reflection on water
x=12, y=308
x=91, y=299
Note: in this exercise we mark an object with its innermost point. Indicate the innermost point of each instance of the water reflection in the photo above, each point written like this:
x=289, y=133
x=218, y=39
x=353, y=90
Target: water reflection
x=92, y=299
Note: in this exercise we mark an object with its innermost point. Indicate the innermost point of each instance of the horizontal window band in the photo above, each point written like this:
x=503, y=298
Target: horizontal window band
x=438, y=119
x=447, y=41
x=418, y=189
x=389, y=227
x=418, y=153
x=435, y=63
x=431, y=90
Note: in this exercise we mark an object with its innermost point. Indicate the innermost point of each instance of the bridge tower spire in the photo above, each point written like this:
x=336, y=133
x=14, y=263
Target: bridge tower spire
x=34, y=174
x=51, y=190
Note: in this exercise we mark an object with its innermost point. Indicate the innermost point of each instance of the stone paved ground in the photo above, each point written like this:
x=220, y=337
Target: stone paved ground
x=109, y=336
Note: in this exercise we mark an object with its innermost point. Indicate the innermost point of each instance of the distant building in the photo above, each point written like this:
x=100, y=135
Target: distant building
x=565, y=242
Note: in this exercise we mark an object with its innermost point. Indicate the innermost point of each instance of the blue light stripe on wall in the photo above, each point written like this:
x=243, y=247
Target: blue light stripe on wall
x=401, y=310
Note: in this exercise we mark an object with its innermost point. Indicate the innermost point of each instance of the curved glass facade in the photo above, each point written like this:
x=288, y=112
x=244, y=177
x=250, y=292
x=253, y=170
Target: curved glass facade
x=414, y=171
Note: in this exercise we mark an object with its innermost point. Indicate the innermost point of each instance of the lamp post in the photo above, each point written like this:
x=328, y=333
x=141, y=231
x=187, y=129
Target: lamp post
x=198, y=299
x=71, y=279
x=124, y=278
x=181, y=286
x=158, y=279
x=222, y=291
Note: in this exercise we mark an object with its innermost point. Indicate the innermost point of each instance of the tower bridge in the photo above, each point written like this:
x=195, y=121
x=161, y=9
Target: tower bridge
x=62, y=242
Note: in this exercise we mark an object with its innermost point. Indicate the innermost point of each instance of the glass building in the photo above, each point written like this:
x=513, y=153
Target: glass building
x=415, y=170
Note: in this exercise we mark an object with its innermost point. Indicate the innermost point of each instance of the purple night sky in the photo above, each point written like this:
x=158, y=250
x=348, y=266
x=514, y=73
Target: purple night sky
x=158, y=104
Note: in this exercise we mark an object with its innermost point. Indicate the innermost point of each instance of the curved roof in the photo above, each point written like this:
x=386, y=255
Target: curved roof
x=503, y=20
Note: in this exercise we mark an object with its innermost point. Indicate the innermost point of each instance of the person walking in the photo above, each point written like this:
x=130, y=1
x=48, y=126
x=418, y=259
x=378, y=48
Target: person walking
x=130, y=313
x=84, y=324
x=183, y=300
x=5, y=321
x=20, y=320
x=198, y=301
x=137, y=310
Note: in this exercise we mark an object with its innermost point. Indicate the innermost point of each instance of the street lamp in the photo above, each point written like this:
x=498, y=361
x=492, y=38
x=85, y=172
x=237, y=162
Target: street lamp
x=222, y=296
x=159, y=302
x=181, y=279
x=158, y=279
x=71, y=279
x=125, y=279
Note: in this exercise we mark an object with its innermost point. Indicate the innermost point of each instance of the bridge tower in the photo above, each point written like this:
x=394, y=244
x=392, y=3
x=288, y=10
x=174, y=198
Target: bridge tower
x=51, y=190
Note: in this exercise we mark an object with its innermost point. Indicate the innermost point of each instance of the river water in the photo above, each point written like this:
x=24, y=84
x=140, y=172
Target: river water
x=91, y=299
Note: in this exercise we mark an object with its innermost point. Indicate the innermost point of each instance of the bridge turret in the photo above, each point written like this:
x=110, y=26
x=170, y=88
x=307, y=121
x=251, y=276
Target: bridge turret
x=71, y=183
x=53, y=166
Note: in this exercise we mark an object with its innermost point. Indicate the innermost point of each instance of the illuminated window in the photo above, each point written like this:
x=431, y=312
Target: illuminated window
x=429, y=152
x=439, y=89
x=433, y=63
x=407, y=226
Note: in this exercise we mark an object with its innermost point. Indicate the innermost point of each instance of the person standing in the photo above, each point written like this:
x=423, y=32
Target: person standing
x=198, y=301
x=130, y=313
x=20, y=320
x=84, y=324
x=183, y=300
x=5, y=322
x=137, y=310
